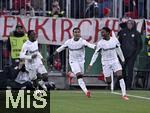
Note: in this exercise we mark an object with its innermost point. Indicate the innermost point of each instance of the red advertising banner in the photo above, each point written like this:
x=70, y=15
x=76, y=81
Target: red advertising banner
x=56, y=31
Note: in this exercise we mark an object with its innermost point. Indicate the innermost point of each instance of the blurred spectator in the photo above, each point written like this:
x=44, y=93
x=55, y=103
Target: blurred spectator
x=3, y=12
x=105, y=8
x=57, y=63
x=39, y=12
x=131, y=45
x=22, y=11
x=106, y=12
x=91, y=9
x=22, y=80
x=15, y=42
x=56, y=11
x=31, y=10
x=10, y=12
x=130, y=8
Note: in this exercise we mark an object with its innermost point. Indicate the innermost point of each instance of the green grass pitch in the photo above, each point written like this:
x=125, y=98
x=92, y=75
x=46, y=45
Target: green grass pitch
x=102, y=101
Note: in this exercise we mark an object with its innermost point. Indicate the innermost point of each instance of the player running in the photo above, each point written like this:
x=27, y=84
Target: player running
x=33, y=61
x=109, y=47
x=76, y=46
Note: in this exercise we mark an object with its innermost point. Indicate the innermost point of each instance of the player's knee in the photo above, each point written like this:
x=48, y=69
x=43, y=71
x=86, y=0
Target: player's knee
x=79, y=76
x=108, y=80
x=119, y=77
x=45, y=77
x=35, y=84
x=39, y=76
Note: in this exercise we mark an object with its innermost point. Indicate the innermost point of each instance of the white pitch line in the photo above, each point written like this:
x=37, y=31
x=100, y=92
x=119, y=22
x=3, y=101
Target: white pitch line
x=141, y=97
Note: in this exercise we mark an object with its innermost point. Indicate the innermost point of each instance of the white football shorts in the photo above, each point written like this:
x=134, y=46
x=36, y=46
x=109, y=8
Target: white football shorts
x=33, y=72
x=77, y=67
x=110, y=67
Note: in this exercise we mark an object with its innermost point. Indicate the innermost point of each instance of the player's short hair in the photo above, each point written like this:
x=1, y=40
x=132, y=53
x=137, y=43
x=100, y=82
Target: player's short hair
x=29, y=32
x=106, y=29
x=76, y=28
x=19, y=25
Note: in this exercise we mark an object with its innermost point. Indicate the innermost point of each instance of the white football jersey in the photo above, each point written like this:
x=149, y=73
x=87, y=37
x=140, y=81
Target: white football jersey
x=28, y=49
x=22, y=77
x=108, y=49
x=76, y=49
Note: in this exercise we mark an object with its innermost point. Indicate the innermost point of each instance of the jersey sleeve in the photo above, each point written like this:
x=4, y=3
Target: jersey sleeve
x=62, y=47
x=120, y=53
x=92, y=46
x=95, y=55
x=117, y=41
x=39, y=55
x=23, y=52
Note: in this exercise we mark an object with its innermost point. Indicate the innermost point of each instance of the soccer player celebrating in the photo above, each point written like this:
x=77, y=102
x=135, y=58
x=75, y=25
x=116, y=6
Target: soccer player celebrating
x=109, y=47
x=33, y=61
x=76, y=46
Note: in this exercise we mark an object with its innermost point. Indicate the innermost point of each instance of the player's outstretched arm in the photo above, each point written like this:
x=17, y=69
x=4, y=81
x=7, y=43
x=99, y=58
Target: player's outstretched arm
x=120, y=53
x=62, y=47
x=92, y=46
x=58, y=50
x=23, y=54
x=89, y=68
x=39, y=55
x=94, y=57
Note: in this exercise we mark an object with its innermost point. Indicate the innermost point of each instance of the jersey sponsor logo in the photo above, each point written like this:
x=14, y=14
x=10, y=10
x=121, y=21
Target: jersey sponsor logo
x=108, y=49
x=76, y=49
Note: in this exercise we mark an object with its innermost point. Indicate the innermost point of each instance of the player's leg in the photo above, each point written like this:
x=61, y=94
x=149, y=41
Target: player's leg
x=122, y=84
x=81, y=82
x=42, y=84
x=88, y=93
x=76, y=69
x=42, y=75
x=35, y=84
x=70, y=75
x=33, y=78
x=107, y=73
x=121, y=81
x=108, y=81
x=118, y=72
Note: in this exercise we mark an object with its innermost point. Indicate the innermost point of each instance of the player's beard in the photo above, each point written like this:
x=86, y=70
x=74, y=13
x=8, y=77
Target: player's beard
x=32, y=40
x=105, y=36
x=76, y=38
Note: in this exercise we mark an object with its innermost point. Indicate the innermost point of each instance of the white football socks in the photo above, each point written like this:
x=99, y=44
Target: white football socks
x=82, y=85
x=123, y=87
